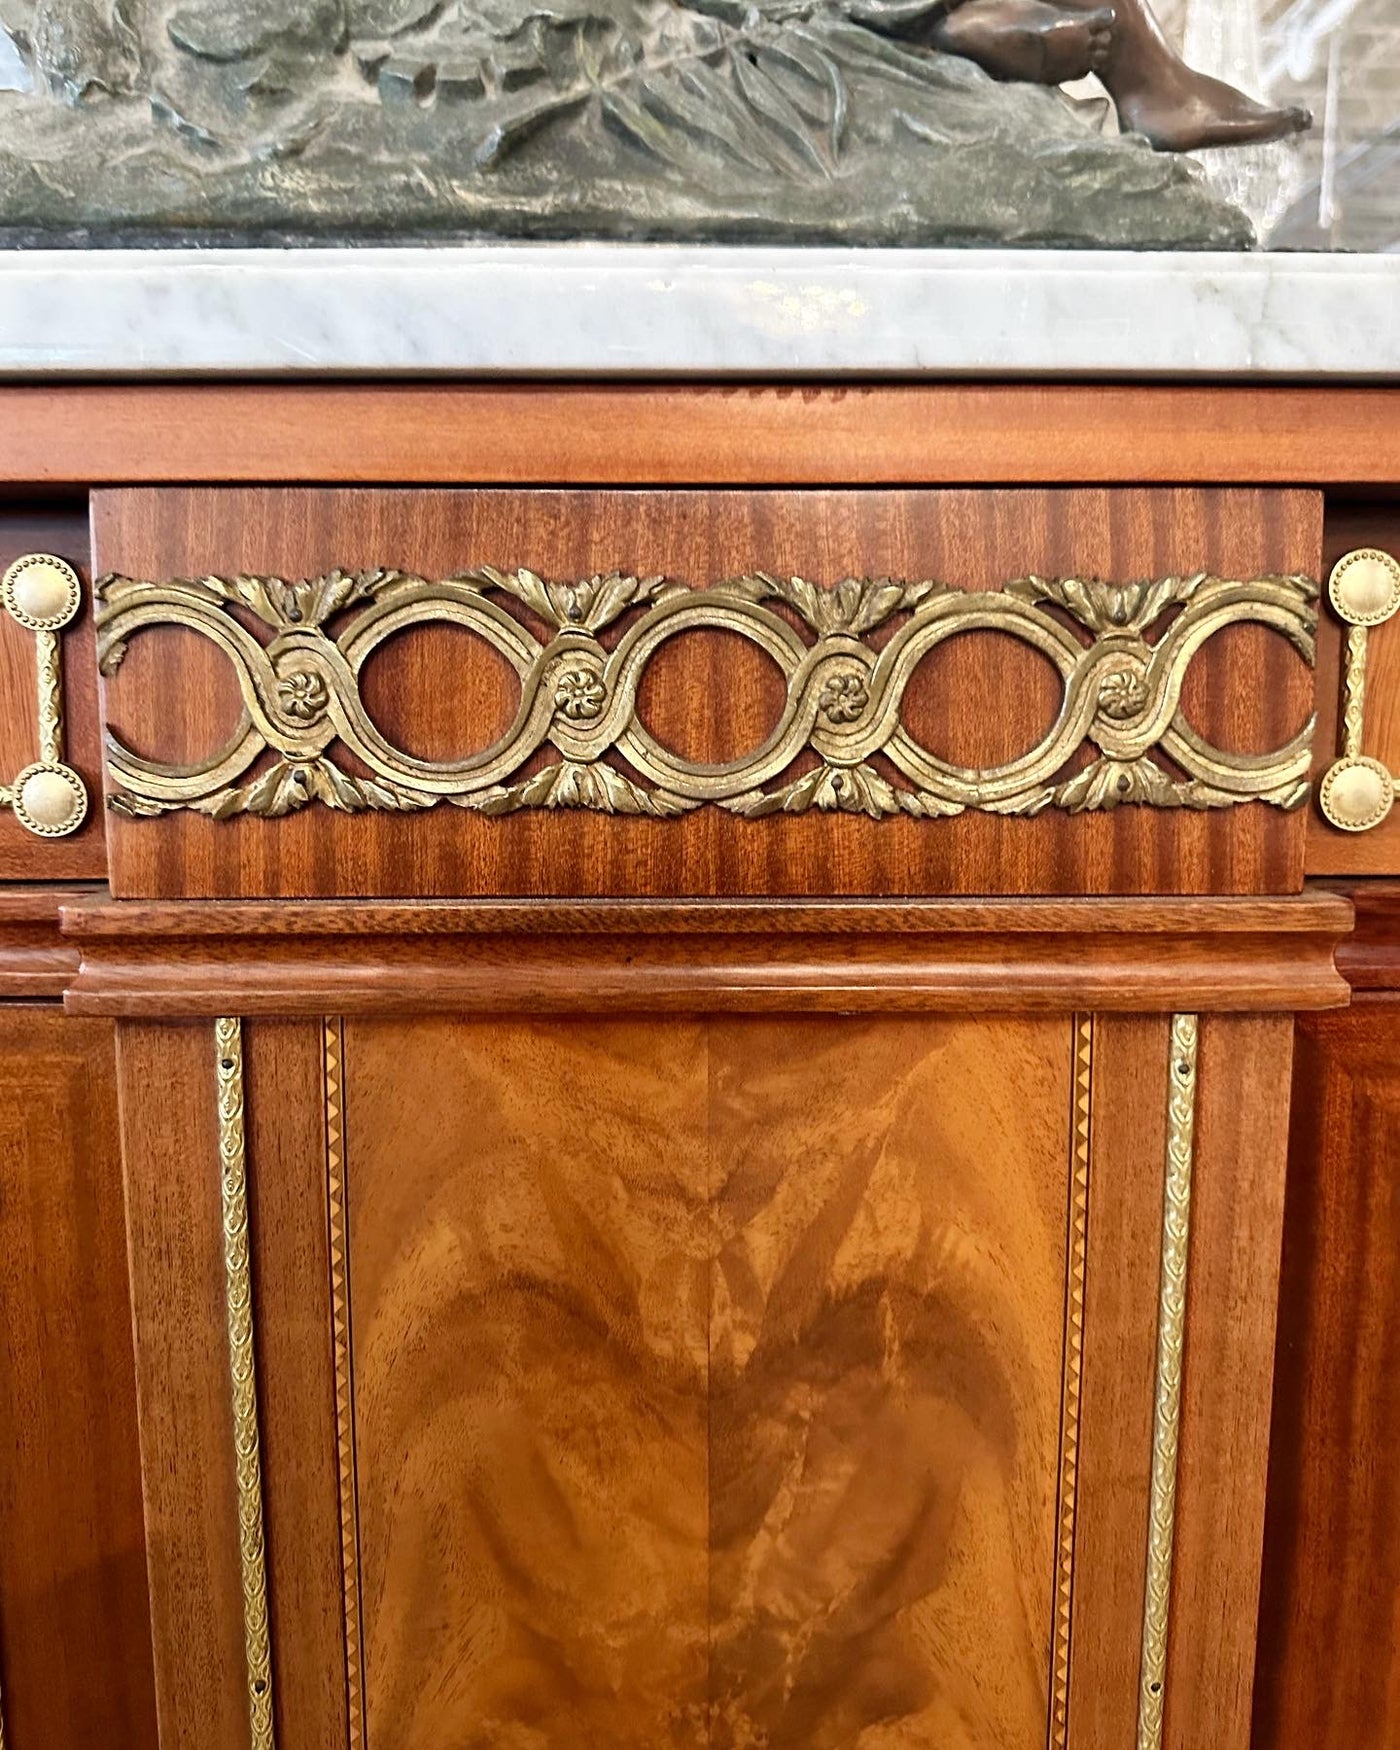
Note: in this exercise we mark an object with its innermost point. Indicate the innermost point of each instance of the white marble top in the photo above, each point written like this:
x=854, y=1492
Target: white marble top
x=657, y=310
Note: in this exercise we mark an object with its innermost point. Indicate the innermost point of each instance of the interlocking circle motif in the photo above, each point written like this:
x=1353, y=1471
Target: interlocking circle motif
x=578, y=694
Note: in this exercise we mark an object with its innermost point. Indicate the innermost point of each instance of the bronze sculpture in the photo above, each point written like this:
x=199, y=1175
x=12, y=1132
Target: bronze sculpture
x=1050, y=42
x=852, y=120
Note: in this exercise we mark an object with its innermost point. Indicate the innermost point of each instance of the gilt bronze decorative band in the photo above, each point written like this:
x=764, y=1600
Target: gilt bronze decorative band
x=1171, y=1344
x=1121, y=654
x=1076, y=1263
x=228, y=1045
x=338, y=1237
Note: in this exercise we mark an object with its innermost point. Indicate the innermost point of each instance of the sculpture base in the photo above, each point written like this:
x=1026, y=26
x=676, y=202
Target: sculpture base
x=952, y=157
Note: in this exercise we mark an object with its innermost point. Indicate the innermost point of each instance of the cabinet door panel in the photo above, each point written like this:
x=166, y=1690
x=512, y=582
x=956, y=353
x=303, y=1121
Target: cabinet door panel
x=712, y=1382
x=1329, y=1644
x=707, y=1379
x=75, y=1644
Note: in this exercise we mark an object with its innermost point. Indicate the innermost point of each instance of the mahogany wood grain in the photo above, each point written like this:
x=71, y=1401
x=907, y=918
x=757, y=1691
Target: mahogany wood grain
x=1241, y=1145
x=1369, y=958
x=744, y=434
x=886, y=1345
x=707, y=1379
x=35, y=961
x=1351, y=523
x=81, y=856
x=185, y=958
x=75, y=1644
x=1242, y=692
x=170, y=1152
x=286, y=1144
x=1329, y=1647
x=1126, y=1182
x=528, y=1302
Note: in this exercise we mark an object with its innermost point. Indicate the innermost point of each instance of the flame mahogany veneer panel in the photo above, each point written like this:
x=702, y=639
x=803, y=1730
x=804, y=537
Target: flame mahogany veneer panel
x=707, y=1379
x=1246, y=690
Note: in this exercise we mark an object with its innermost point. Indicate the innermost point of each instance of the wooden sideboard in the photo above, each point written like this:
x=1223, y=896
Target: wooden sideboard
x=691, y=997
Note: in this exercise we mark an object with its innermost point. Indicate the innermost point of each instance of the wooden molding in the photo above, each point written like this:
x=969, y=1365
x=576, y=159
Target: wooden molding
x=801, y=434
x=196, y=958
x=1369, y=959
x=34, y=959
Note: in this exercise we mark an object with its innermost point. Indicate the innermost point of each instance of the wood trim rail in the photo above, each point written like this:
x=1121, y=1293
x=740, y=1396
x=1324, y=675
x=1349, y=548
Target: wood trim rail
x=194, y=958
x=1369, y=959
x=35, y=961
x=621, y=434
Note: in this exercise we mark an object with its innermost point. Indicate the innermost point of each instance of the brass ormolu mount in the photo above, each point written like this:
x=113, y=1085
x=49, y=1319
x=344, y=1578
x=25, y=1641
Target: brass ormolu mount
x=43, y=594
x=1357, y=791
x=578, y=703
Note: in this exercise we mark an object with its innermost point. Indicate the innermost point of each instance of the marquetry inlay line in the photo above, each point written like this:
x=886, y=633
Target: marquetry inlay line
x=339, y=1234
x=1171, y=1334
x=1121, y=652
x=238, y=1281
x=1076, y=1253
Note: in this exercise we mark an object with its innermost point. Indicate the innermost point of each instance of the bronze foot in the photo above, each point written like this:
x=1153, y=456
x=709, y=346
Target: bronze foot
x=1193, y=110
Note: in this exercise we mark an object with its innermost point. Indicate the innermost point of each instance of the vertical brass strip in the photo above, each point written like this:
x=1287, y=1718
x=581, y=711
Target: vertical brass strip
x=1076, y=1251
x=1354, y=711
x=339, y=1223
x=1171, y=1335
x=238, y=1275
x=49, y=666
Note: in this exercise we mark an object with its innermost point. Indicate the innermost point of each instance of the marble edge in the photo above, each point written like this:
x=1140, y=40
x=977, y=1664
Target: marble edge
x=654, y=310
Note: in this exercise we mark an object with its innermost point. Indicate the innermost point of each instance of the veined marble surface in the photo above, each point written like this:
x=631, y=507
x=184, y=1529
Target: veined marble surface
x=648, y=310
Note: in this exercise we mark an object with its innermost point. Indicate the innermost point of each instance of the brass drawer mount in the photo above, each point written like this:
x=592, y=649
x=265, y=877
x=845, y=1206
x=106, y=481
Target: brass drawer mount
x=43, y=594
x=1357, y=791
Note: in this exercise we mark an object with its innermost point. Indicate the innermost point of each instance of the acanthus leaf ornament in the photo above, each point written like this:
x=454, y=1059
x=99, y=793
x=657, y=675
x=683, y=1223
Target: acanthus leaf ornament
x=566, y=785
x=1121, y=652
x=1109, y=607
x=854, y=606
x=589, y=606
x=841, y=790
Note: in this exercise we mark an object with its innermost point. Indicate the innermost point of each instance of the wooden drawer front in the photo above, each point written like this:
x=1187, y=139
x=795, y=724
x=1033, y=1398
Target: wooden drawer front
x=705, y=1382
x=693, y=701
x=33, y=853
